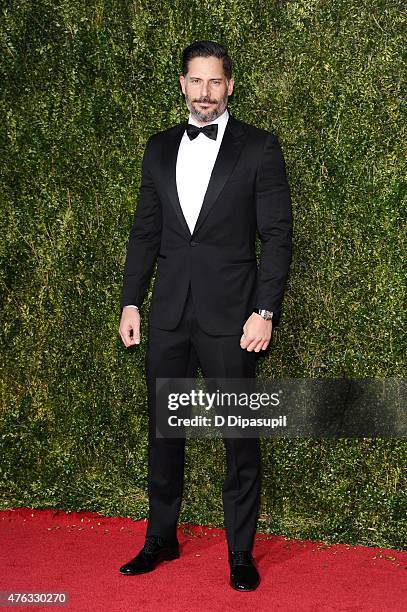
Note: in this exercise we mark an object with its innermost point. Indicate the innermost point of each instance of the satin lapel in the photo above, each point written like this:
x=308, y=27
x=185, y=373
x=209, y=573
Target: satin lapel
x=229, y=151
x=170, y=165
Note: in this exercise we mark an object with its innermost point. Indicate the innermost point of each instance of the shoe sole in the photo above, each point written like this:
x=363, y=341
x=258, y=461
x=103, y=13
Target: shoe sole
x=243, y=590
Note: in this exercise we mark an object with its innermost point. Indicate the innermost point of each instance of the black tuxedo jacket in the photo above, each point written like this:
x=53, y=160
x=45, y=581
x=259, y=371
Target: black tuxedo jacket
x=247, y=193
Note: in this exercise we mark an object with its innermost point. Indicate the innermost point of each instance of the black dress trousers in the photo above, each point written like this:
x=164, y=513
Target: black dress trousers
x=177, y=354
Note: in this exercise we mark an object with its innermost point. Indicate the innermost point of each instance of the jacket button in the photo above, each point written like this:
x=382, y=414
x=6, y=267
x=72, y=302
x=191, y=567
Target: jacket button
x=193, y=243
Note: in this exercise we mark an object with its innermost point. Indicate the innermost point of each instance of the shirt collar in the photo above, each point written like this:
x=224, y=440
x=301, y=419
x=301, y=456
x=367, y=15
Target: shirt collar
x=221, y=120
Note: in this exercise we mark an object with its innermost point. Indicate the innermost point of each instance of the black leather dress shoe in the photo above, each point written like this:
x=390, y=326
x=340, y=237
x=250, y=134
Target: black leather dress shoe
x=155, y=549
x=243, y=573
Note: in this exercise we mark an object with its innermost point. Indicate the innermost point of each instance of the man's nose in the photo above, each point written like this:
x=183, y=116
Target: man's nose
x=205, y=90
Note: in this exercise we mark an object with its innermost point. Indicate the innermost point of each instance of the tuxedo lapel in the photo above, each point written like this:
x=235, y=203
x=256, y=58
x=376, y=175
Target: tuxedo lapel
x=228, y=154
x=170, y=154
x=229, y=151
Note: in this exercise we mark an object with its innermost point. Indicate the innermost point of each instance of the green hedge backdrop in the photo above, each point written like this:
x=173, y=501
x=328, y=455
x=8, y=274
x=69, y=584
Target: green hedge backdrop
x=83, y=85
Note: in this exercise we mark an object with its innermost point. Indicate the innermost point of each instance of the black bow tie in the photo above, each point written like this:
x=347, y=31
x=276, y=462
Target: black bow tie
x=211, y=130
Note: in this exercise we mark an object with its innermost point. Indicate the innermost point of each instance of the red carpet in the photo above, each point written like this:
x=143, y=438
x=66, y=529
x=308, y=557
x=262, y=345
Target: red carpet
x=80, y=553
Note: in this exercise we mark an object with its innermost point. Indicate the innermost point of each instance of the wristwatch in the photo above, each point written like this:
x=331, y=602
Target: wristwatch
x=266, y=314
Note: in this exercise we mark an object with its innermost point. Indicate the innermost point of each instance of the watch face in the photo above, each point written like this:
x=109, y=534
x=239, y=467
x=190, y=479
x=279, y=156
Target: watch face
x=266, y=314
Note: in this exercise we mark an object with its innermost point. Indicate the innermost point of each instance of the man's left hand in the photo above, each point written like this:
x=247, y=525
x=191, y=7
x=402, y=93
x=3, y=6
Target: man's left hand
x=256, y=333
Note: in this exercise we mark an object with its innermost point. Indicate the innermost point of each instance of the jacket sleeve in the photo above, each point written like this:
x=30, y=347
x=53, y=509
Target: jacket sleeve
x=274, y=225
x=145, y=237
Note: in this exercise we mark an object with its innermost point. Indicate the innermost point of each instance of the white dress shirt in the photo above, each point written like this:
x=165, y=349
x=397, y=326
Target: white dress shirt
x=195, y=162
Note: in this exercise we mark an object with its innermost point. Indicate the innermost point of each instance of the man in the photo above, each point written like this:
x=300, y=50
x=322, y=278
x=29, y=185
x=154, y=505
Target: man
x=208, y=186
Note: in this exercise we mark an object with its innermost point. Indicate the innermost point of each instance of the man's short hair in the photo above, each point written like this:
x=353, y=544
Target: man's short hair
x=207, y=48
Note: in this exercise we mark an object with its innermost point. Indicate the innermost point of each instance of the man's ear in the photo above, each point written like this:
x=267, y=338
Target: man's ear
x=230, y=86
x=182, y=83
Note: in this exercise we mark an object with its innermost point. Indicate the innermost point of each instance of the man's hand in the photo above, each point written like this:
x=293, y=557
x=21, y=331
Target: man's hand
x=129, y=329
x=256, y=333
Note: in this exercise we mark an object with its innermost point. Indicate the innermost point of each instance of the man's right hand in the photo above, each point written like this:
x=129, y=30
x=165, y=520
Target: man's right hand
x=129, y=329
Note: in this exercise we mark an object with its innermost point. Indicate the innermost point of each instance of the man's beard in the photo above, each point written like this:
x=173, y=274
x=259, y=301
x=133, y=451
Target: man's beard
x=208, y=115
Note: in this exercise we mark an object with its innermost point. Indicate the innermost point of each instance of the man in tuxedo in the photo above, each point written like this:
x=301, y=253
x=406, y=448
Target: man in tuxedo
x=209, y=185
